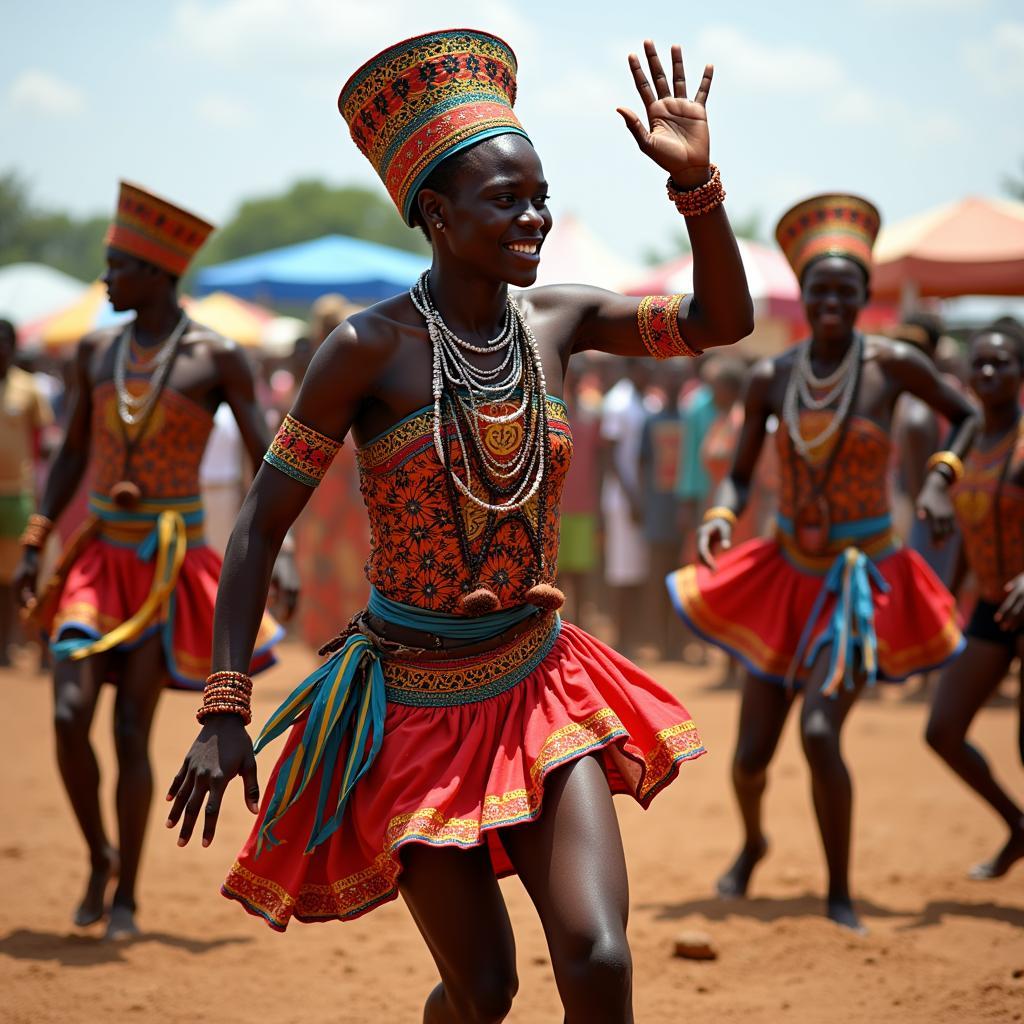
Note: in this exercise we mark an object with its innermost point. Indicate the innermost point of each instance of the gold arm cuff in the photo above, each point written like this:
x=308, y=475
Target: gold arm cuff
x=950, y=459
x=720, y=512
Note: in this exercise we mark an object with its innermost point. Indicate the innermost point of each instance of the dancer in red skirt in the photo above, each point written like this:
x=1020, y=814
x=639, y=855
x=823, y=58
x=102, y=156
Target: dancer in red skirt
x=989, y=502
x=132, y=601
x=460, y=730
x=832, y=602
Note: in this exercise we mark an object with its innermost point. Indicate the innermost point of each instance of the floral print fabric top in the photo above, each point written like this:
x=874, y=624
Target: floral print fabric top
x=415, y=555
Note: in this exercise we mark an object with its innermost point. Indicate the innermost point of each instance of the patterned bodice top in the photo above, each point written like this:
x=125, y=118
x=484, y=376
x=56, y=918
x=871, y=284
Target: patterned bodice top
x=164, y=461
x=415, y=552
x=858, y=484
x=994, y=559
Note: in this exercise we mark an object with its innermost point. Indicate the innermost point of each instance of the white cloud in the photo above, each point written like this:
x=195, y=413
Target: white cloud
x=222, y=111
x=313, y=32
x=998, y=61
x=43, y=93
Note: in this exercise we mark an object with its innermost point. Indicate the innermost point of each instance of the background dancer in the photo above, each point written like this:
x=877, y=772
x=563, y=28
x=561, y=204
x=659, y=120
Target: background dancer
x=132, y=601
x=833, y=601
x=493, y=713
x=989, y=502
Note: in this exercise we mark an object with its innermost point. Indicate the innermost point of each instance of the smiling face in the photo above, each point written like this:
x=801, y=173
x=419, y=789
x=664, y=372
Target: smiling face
x=494, y=210
x=994, y=368
x=834, y=291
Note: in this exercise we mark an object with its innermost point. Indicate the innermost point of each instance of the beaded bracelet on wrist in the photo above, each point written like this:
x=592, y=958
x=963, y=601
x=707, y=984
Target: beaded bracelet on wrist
x=37, y=529
x=226, y=692
x=694, y=202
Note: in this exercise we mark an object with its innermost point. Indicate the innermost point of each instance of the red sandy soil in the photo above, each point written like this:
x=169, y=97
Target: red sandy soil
x=941, y=948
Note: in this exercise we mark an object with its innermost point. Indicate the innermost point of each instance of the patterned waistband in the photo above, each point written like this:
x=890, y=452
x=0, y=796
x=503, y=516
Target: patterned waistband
x=131, y=528
x=454, y=681
x=874, y=537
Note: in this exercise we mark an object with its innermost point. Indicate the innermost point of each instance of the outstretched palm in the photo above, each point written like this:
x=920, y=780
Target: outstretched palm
x=676, y=135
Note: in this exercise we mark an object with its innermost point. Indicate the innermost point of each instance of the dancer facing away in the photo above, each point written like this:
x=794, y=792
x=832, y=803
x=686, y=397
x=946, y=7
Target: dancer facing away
x=847, y=604
x=461, y=730
x=989, y=502
x=132, y=600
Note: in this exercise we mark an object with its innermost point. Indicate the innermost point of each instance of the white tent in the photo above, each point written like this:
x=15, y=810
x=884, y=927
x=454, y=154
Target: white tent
x=573, y=254
x=29, y=291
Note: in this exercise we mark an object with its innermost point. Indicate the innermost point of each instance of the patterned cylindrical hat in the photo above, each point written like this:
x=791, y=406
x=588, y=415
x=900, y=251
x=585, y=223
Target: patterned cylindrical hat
x=154, y=230
x=423, y=99
x=829, y=225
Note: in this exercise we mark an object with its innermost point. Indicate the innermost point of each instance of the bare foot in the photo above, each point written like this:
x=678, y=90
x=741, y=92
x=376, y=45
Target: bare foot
x=121, y=927
x=1003, y=860
x=841, y=911
x=90, y=910
x=734, y=882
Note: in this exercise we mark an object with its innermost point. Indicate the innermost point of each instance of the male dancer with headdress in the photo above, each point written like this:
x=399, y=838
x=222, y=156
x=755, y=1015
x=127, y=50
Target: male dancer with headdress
x=132, y=600
x=832, y=602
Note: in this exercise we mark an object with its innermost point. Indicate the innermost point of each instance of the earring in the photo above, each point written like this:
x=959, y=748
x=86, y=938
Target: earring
x=439, y=225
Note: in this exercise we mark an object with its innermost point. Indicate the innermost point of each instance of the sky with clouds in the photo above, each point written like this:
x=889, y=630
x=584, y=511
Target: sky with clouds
x=909, y=102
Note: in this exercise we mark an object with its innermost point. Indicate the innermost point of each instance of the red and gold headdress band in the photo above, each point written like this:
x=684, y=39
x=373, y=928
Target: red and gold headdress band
x=829, y=225
x=423, y=99
x=154, y=230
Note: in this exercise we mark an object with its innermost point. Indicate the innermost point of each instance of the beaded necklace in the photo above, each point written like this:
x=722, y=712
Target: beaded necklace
x=467, y=400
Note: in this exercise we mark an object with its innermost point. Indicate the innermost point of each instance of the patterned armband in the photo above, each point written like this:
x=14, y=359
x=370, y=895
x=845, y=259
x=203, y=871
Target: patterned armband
x=301, y=452
x=658, y=320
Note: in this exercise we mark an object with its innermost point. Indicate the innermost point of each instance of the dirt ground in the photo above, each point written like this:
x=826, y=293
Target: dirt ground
x=941, y=948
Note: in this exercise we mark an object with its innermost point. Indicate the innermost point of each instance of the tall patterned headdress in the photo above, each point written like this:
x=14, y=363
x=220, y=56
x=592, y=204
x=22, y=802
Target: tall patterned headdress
x=421, y=100
x=829, y=225
x=155, y=230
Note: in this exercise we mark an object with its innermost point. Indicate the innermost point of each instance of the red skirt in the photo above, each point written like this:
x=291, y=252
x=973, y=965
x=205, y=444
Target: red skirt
x=108, y=583
x=456, y=775
x=757, y=604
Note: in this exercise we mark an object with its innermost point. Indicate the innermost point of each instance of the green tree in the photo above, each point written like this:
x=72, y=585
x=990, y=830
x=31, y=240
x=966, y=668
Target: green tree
x=309, y=209
x=1013, y=185
x=28, y=233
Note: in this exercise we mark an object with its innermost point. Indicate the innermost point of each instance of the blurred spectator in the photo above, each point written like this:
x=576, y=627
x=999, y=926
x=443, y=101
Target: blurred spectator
x=221, y=478
x=24, y=413
x=577, y=550
x=626, y=560
x=660, y=448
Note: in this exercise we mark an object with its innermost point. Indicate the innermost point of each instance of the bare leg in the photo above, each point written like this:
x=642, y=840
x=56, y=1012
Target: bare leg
x=137, y=695
x=763, y=711
x=7, y=623
x=821, y=721
x=572, y=865
x=963, y=688
x=76, y=686
x=456, y=903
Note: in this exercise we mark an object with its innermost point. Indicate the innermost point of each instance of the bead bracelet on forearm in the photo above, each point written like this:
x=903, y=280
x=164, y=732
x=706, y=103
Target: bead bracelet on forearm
x=227, y=692
x=694, y=202
x=36, y=531
x=951, y=461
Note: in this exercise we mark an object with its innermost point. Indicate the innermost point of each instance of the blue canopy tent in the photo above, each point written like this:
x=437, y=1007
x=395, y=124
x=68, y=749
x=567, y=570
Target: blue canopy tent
x=361, y=271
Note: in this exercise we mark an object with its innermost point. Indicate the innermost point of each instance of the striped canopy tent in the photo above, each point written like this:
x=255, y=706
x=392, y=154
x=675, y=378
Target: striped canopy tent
x=973, y=247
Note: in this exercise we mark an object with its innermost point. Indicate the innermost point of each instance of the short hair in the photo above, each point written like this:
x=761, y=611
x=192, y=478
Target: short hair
x=1008, y=327
x=441, y=179
x=930, y=323
x=7, y=331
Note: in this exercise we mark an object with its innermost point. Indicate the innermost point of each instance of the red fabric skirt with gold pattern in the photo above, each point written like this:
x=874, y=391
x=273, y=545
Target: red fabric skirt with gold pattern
x=757, y=604
x=456, y=775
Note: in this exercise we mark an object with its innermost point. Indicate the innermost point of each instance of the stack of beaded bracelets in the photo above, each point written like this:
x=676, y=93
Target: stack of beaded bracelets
x=36, y=531
x=227, y=693
x=694, y=202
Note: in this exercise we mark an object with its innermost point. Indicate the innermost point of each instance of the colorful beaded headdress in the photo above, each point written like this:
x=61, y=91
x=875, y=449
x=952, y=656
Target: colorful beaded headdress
x=423, y=99
x=829, y=225
x=155, y=230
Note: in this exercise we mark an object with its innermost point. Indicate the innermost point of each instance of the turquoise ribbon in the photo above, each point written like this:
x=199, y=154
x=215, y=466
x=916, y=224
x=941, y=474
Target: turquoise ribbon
x=451, y=627
x=851, y=628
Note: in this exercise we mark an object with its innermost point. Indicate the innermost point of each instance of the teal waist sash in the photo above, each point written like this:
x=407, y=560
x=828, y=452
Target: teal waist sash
x=858, y=529
x=345, y=698
x=851, y=629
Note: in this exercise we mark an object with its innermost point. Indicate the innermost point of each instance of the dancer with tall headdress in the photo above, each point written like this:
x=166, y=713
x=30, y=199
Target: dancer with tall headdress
x=832, y=602
x=989, y=502
x=460, y=730
x=132, y=599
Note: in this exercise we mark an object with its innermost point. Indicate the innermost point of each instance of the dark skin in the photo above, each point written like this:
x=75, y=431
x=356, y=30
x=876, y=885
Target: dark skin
x=7, y=619
x=370, y=373
x=834, y=292
x=967, y=683
x=209, y=370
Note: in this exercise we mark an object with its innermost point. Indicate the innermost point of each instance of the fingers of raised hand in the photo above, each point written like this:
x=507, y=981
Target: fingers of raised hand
x=661, y=86
x=678, y=73
x=705, y=85
x=643, y=87
x=635, y=126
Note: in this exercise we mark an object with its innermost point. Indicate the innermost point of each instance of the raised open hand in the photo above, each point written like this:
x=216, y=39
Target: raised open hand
x=676, y=136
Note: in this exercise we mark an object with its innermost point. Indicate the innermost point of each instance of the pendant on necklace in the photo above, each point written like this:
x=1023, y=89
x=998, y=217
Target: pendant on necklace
x=124, y=494
x=812, y=526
